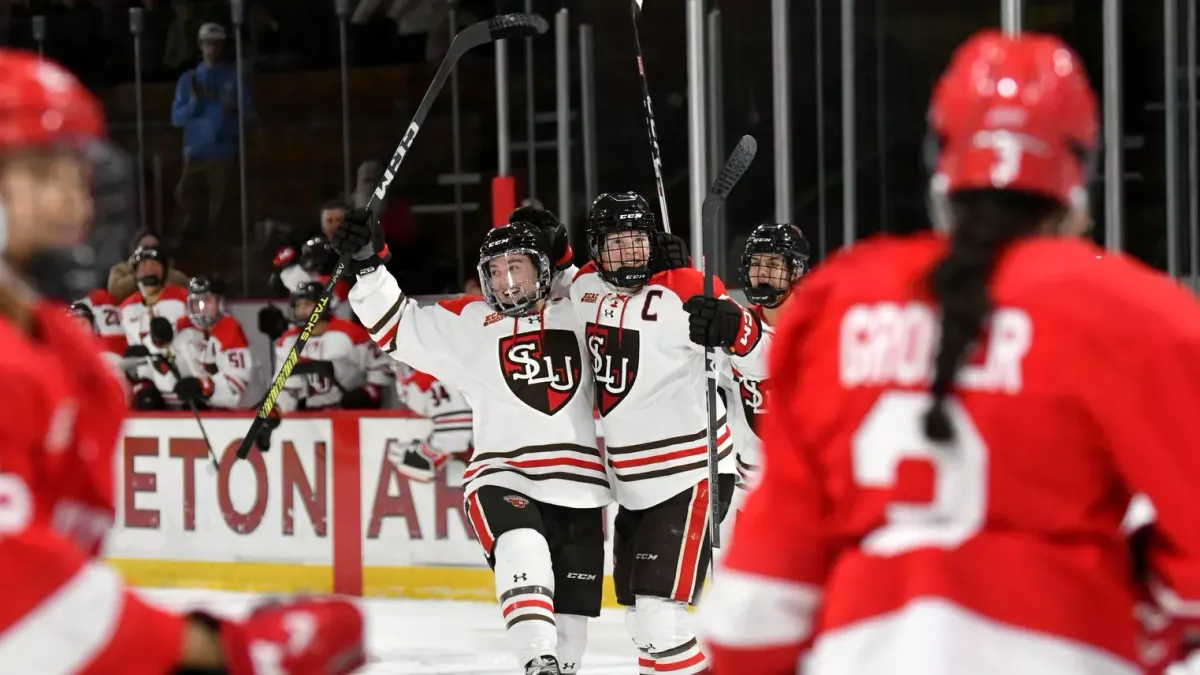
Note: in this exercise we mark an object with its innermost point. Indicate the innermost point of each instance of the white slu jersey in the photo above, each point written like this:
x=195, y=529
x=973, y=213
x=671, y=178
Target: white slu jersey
x=525, y=379
x=650, y=384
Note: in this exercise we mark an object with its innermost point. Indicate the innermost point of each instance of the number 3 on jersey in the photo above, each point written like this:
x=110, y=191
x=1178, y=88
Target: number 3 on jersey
x=892, y=433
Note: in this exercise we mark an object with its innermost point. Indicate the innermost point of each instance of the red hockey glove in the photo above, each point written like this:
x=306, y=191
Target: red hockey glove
x=301, y=636
x=722, y=323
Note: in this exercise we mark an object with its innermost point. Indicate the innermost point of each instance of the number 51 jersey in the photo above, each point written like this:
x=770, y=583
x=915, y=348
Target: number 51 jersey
x=525, y=379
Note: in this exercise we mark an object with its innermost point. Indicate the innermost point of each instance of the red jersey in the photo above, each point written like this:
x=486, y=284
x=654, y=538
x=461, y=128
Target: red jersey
x=64, y=612
x=877, y=551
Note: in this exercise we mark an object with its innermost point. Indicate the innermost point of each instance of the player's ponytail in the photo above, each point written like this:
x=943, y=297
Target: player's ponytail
x=984, y=223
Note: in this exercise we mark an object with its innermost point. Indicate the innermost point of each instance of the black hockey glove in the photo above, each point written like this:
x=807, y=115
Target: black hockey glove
x=192, y=390
x=136, y=352
x=147, y=397
x=271, y=322
x=722, y=323
x=670, y=252
x=560, y=244
x=263, y=442
x=161, y=331
x=363, y=398
x=361, y=238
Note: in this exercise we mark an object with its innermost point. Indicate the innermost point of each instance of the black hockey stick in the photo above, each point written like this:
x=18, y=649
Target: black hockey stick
x=212, y=456
x=635, y=7
x=739, y=160
x=497, y=28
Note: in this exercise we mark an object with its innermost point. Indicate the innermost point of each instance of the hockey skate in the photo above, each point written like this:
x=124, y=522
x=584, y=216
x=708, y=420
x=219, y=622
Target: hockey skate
x=542, y=665
x=417, y=461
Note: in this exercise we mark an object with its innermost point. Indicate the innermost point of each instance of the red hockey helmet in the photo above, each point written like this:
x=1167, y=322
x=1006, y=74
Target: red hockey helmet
x=44, y=107
x=42, y=104
x=1014, y=113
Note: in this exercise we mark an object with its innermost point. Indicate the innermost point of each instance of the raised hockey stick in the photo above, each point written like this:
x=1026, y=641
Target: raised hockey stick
x=508, y=26
x=739, y=160
x=635, y=7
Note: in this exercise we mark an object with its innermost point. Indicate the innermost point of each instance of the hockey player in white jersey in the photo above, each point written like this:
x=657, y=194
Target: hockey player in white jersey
x=774, y=260
x=203, y=360
x=646, y=322
x=106, y=319
x=449, y=414
x=536, y=484
x=340, y=366
x=154, y=297
x=113, y=355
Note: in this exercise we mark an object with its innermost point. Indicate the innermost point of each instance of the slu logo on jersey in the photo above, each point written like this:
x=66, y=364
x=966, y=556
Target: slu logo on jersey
x=614, y=352
x=754, y=398
x=542, y=368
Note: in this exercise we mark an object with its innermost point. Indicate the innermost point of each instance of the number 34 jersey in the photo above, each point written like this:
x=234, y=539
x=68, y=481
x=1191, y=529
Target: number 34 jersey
x=1002, y=551
x=526, y=380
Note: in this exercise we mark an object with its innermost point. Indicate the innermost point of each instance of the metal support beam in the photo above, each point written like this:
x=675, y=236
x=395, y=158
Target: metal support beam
x=697, y=126
x=1114, y=165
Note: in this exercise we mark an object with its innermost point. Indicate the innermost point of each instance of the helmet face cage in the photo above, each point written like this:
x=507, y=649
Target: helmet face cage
x=510, y=291
x=143, y=254
x=622, y=249
x=780, y=252
x=304, y=292
x=204, y=308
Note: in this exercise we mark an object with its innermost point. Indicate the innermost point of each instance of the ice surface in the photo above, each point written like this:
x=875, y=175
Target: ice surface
x=426, y=637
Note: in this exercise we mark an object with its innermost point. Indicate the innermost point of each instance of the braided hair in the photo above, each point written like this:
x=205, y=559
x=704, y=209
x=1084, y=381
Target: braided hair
x=985, y=223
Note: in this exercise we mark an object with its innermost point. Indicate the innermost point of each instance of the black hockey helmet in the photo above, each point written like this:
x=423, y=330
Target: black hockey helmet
x=622, y=212
x=143, y=253
x=515, y=295
x=82, y=311
x=560, y=243
x=316, y=255
x=305, y=290
x=205, y=302
x=774, y=239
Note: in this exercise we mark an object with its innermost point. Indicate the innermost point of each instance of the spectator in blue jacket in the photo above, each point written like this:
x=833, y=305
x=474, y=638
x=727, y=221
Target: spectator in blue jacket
x=205, y=107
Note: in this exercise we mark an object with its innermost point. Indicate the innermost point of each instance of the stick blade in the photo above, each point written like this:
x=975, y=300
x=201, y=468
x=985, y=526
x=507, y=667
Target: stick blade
x=739, y=160
x=521, y=25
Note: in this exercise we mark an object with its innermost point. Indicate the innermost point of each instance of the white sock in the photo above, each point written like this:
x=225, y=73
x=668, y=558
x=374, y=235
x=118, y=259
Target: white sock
x=572, y=641
x=525, y=589
x=666, y=628
x=645, y=661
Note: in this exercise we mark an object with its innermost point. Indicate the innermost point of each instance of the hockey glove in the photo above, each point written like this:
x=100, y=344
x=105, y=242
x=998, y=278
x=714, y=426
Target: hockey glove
x=296, y=636
x=263, y=442
x=363, y=398
x=360, y=237
x=271, y=322
x=560, y=244
x=193, y=389
x=161, y=332
x=416, y=460
x=147, y=397
x=721, y=322
x=136, y=352
x=670, y=252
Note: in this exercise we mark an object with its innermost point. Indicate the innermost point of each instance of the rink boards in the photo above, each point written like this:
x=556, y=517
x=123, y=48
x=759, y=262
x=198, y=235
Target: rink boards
x=324, y=510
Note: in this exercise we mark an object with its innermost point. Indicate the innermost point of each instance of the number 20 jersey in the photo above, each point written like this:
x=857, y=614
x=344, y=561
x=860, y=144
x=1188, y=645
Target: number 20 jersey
x=1001, y=552
x=526, y=380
